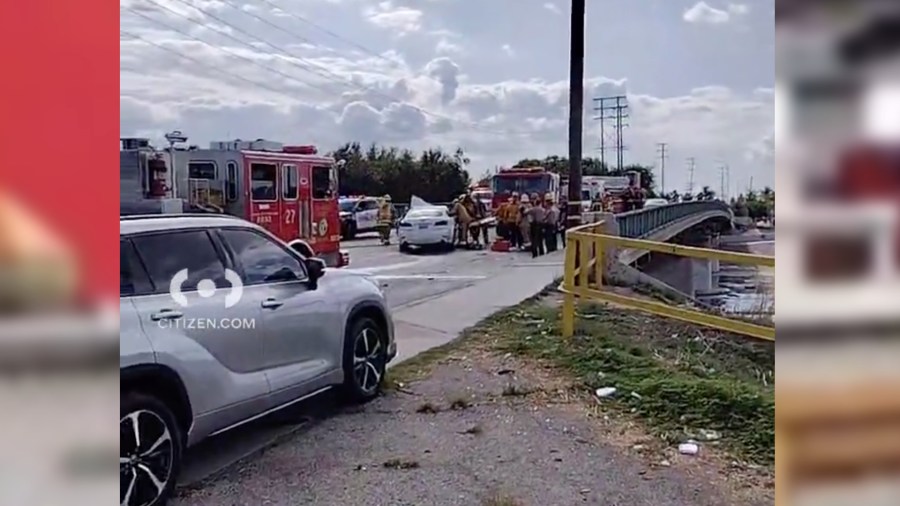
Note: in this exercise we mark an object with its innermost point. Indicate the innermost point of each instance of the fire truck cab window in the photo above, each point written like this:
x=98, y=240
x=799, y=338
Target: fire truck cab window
x=289, y=182
x=263, y=177
x=231, y=180
x=323, y=184
x=201, y=170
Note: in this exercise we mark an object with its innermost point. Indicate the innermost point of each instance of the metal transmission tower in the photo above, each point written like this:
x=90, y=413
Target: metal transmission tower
x=613, y=108
x=692, y=163
x=662, y=147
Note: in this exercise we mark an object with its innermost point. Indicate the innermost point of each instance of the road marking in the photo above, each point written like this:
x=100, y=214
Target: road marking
x=754, y=243
x=380, y=268
x=429, y=277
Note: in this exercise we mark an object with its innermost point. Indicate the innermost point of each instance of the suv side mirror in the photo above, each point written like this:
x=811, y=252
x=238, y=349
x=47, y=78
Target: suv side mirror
x=315, y=269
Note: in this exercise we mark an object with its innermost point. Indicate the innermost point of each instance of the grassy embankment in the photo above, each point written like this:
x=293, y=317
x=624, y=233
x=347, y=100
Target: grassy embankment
x=678, y=379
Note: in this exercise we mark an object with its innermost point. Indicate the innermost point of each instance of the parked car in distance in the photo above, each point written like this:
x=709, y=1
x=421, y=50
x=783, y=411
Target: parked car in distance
x=358, y=216
x=655, y=203
x=222, y=323
x=422, y=227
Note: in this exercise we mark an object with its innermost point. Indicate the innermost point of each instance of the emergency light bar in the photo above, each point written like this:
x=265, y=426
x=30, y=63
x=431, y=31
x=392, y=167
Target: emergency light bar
x=300, y=150
x=523, y=169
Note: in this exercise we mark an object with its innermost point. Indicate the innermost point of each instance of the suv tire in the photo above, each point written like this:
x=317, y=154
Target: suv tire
x=153, y=446
x=365, y=360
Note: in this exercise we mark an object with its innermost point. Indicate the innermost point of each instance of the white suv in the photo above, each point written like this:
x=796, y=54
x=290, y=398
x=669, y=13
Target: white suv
x=222, y=323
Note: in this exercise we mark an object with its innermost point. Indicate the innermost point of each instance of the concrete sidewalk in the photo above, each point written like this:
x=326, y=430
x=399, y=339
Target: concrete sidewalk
x=423, y=325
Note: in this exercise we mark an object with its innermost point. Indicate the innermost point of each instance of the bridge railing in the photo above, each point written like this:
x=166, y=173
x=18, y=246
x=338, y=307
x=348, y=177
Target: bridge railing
x=587, y=249
x=640, y=222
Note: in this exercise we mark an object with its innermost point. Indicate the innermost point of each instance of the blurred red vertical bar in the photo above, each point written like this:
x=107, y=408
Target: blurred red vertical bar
x=59, y=127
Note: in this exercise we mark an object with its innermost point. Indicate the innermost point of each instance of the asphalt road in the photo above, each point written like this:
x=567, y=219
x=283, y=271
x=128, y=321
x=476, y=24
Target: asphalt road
x=434, y=296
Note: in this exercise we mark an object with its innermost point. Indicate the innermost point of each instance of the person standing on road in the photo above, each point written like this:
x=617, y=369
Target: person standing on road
x=512, y=221
x=551, y=223
x=502, y=230
x=482, y=213
x=536, y=224
x=524, y=221
x=385, y=219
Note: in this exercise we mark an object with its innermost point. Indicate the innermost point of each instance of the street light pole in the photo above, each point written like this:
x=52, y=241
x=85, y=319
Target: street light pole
x=576, y=112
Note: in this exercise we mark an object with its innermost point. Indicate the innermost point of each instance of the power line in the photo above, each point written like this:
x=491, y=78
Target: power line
x=302, y=62
x=325, y=30
x=201, y=63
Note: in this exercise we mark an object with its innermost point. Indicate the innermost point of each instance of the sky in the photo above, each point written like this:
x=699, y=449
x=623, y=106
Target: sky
x=490, y=76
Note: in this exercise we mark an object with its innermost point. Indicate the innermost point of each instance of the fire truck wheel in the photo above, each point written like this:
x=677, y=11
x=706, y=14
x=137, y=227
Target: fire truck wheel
x=365, y=360
x=349, y=231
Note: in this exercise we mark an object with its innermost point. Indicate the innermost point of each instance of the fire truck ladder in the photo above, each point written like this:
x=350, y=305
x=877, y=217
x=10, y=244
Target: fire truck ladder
x=202, y=196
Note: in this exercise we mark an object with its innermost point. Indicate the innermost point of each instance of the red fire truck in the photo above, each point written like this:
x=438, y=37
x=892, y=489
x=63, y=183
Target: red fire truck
x=523, y=180
x=289, y=190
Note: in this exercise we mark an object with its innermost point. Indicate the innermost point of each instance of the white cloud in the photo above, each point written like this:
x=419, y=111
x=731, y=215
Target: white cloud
x=552, y=7
x=422, y=91
x=703, y=13
x=389, y=16
x=508, y=50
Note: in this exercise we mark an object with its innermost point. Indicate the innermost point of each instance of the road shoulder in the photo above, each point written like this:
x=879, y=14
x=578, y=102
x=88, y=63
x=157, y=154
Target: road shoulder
x=469, y=425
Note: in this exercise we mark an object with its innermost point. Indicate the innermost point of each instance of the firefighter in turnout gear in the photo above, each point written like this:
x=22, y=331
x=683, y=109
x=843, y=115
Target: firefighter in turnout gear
x=385, y=219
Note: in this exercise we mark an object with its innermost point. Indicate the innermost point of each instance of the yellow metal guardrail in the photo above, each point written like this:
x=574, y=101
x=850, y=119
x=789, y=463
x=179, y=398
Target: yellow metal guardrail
x=586, y=248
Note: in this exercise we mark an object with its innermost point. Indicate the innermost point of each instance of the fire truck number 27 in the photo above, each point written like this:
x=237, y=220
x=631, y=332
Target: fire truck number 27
x=290, y=217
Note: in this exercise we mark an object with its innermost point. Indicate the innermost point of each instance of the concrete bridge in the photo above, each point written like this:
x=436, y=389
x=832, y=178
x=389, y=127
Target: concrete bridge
x=697, y=223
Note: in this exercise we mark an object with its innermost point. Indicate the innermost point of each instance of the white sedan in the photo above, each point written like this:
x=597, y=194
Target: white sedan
x=426, y=226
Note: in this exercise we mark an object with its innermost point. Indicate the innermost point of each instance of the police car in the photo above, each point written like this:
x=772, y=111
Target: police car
x=358, y=215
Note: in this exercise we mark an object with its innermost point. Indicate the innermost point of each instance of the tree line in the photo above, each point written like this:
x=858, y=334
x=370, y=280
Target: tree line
x=755, y=205
x=437, y=175
x=434, y=174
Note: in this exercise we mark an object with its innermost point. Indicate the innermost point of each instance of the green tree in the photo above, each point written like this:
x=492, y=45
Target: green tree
x=434, y=175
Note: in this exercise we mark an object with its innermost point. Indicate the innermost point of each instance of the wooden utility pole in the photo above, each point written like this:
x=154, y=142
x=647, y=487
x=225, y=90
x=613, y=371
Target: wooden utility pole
x=576, y=111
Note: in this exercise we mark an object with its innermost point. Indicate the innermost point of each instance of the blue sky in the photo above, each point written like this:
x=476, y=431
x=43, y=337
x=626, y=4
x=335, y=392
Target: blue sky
x=490, y=76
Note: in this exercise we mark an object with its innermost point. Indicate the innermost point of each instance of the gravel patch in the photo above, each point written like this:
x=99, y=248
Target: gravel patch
x=491, y=434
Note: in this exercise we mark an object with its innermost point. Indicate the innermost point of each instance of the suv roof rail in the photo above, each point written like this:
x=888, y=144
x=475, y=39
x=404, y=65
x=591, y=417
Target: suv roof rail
x=133, y=217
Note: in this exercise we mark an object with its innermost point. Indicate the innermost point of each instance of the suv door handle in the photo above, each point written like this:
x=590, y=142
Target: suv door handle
x=272, y=303
x=166, y=314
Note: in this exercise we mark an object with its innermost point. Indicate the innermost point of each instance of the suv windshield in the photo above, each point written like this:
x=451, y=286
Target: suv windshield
x=347, y=206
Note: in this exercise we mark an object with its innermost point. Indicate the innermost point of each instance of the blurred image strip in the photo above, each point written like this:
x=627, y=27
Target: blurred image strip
x=838, y=250
x=44, y=318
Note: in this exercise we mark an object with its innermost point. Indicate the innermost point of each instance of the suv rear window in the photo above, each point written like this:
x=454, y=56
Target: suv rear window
x=166, y=254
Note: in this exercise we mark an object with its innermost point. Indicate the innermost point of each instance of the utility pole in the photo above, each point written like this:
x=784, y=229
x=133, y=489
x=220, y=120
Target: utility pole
x=692, y=162
x=663, y=155
x=617, y=111
x=722, y=183
x=576, y=108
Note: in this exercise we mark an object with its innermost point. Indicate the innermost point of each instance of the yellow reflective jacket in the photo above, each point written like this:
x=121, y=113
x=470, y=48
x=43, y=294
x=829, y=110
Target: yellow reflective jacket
x=384, y=211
